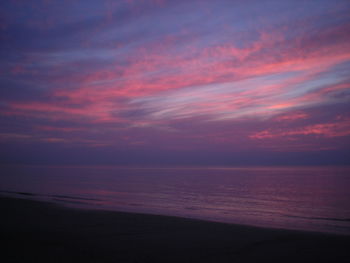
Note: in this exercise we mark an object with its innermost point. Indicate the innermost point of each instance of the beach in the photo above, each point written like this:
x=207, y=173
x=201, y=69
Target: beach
x=161, y=131
x=37, y=231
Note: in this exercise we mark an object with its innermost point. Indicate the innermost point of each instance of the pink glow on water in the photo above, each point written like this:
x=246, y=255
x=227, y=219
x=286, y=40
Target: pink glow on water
x=307, y=198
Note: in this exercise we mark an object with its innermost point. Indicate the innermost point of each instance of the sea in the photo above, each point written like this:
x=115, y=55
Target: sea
x=301, y=198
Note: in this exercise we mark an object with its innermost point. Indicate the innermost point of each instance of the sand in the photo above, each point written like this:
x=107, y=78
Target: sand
x=33, y=231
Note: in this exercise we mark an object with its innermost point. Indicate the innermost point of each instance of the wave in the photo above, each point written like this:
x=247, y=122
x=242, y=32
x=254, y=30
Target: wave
x=53, y=197
x=321, y=218
x=74, y=197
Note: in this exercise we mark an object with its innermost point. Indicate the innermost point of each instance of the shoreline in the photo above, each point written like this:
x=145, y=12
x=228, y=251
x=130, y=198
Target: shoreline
x=44, y=232
x=78, y=203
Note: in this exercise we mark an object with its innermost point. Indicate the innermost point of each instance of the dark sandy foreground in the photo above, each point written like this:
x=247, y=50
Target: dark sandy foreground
x=34, y=231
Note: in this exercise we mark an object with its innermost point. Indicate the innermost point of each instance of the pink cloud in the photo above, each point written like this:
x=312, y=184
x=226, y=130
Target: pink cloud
x=327, y=130
x=220, y=82
x=292, y=116
x=60, y=129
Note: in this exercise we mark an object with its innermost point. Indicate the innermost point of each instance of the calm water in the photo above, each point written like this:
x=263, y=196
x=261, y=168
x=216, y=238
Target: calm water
x=308, y=198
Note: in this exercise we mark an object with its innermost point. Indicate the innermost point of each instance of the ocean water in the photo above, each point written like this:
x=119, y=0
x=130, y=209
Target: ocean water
x=304, y=198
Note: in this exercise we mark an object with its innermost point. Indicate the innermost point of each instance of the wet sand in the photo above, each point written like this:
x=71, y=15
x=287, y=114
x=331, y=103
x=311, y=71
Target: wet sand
x=33, y=231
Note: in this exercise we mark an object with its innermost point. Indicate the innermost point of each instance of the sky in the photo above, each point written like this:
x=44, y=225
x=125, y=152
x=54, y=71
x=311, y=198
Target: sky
x=162, y=82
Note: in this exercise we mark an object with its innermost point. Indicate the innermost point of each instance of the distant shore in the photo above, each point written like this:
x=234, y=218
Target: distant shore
x=35, y=231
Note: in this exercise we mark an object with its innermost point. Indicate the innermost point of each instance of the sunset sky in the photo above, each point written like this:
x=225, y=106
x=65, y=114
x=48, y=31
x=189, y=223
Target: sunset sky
x=164, y=82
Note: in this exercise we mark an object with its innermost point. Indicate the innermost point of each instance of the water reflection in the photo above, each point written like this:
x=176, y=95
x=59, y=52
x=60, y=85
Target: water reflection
x=310, y=198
